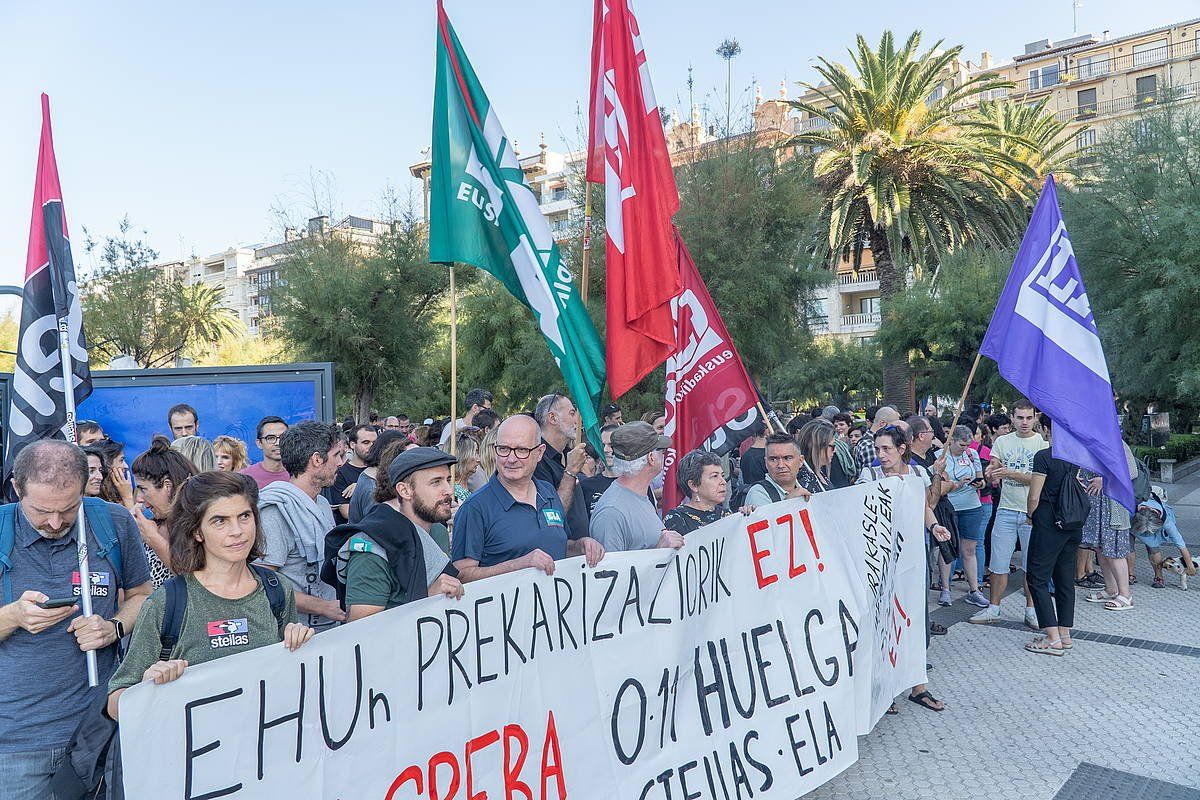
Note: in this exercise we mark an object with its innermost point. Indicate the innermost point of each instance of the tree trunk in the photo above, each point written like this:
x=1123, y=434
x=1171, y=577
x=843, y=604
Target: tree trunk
x=364, y=395
x=897, y=388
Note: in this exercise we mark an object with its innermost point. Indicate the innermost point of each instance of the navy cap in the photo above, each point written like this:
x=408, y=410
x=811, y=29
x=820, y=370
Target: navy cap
x=415, y=459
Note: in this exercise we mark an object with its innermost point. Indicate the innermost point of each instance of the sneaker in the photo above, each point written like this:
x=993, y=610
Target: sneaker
x=944, y=597
x=985, y=617
x=977, y=599
x=1031, y=619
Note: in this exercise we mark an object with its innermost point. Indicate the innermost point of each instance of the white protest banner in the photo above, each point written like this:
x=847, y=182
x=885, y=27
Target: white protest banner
x=744, y=664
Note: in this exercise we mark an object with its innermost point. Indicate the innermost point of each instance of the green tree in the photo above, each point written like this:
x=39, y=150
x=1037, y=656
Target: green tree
x=749, y=215
x=904, y=170
x=1135, y=229
x=133, y=308
x=1032, y=136
x=940, y=325
x=371, y=311
x=847, y=374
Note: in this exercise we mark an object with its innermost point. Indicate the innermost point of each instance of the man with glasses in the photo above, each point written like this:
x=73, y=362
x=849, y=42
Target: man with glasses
x=625, y=519
x=515, y=521
x=476, y=400
x=270, y=469
x=922, y=449
x=562, y=458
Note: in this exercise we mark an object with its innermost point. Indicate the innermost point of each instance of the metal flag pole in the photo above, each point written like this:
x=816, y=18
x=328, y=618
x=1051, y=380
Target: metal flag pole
x=85, y=574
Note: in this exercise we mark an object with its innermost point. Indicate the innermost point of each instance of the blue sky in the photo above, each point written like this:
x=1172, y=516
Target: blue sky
x=197, y=119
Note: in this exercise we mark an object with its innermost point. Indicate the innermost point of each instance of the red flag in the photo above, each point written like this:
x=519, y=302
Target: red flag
x=38, y=407
x=707, y=384
x=628, y=153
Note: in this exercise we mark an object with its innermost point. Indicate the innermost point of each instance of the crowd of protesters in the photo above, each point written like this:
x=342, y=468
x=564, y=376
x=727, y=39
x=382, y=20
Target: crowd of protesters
x=338, y=522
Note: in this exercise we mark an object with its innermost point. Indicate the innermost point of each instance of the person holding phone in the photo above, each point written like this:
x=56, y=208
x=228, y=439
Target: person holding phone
x=43, y=637
x=963, y=473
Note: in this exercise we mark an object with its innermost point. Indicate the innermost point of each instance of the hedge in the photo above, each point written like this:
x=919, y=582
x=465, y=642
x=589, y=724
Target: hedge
x=1181, y=447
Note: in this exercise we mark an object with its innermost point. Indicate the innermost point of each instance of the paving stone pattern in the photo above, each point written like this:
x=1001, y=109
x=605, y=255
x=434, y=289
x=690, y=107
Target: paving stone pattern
x=1117, y=718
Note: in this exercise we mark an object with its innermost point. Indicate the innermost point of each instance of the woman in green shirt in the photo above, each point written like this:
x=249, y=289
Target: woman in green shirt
x=214, y=537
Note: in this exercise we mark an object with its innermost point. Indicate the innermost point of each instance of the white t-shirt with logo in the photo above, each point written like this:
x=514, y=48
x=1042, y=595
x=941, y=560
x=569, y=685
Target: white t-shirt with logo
x=1017, y=454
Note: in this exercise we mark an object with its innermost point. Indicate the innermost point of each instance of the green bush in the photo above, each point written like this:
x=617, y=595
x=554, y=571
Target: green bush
x=1181, y=447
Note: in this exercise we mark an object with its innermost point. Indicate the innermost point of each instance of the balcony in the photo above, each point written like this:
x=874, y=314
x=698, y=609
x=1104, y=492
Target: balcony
x=818, y=324
x=865, y=280
x=812, y=124
x=860, y=323
x=1099, y=67
x=1133, y=102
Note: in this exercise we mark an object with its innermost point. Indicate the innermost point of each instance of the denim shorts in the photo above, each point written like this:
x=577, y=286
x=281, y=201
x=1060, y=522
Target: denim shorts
x=970, y=523
x=1010, y=526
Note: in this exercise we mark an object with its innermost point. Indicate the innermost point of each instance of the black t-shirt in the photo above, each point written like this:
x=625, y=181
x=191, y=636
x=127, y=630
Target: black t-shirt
x=550, y=469
x=685, y=519
x=593, y=487
x=754, y=465
x=347, y=475
x=926, y=460
x=1056, y=471
x=939, y=430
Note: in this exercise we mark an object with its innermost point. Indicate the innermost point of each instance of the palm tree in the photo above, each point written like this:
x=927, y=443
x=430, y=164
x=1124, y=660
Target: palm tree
x=200, y=316
x=906, y=169
x=1032, y=136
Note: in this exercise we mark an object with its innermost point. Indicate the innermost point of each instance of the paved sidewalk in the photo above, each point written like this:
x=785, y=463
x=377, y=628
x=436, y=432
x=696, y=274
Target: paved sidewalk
x=1117, y=717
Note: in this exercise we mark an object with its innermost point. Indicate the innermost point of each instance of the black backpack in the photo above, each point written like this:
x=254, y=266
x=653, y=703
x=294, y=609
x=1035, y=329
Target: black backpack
x=1073, y=505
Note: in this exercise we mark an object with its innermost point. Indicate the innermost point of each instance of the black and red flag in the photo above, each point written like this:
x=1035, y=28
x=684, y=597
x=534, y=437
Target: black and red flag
x=38, y=406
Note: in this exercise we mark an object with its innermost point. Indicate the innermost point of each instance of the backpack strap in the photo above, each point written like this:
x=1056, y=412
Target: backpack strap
x=8, y=534
x=172, y=624
x=276, y=595
x=771, y=491
x=101, y=524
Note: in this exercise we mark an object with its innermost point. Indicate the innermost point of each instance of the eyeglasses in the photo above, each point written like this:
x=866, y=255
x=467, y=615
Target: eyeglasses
x=504, y=451
x=271, y=439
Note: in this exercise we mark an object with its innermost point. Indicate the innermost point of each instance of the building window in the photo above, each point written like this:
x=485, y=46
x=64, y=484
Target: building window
x=1085, y=139
x=1044, y=78
x=868, y=305
x=1092, y=66
x=1147, y=89
x=1086, y=102
x=360, y=223
x=936, y=94
x=997, y=94
x=1149, y=52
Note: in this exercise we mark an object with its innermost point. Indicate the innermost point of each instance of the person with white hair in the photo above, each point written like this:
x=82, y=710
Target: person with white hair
x=624, y=517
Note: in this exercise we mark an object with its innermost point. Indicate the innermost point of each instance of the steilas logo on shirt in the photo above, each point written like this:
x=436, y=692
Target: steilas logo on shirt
x=228, y=633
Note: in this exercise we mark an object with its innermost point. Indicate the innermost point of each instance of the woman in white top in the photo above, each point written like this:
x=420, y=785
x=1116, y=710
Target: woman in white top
x=891, y=448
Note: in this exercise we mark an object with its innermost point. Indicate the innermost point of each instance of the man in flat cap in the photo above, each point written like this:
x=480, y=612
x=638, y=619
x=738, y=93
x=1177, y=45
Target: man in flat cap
x=388, y=558
x=624, y=517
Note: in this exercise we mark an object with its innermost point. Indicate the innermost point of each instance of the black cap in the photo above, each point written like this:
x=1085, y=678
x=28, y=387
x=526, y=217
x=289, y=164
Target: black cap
x=415, y=459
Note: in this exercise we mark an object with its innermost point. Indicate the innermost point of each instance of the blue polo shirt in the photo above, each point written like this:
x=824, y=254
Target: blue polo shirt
x=44, y=687
x=492, y=527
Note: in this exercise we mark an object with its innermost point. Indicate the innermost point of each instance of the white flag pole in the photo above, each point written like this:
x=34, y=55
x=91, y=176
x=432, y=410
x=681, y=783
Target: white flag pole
x=85, y=574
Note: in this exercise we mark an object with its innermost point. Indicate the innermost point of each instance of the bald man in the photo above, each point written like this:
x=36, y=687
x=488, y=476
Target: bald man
x=864, y=451
x=515, y=521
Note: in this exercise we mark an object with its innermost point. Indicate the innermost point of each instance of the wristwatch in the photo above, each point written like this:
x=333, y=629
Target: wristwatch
x=120, y=628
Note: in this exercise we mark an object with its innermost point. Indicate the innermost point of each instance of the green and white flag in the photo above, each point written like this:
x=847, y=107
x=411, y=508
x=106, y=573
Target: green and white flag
x=481, y=212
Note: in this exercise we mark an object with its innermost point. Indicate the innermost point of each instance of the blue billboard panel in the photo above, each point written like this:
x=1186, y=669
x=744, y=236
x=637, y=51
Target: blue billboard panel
x=134, y=413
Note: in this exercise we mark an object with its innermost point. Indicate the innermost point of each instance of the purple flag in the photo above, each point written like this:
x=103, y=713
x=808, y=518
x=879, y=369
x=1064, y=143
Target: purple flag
x=1044, y=341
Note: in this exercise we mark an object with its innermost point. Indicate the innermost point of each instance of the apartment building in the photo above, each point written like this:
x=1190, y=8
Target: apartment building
x=1089, y=82
x=246, y=272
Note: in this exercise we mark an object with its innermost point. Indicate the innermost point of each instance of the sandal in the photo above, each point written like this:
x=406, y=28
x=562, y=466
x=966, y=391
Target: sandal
x=926, y=700
x=1119, y=603
x=892, y=710
x=1042, y=644
x=1158, y=584
x=938, y=629
x=1132, y=579
x=1100, y=597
